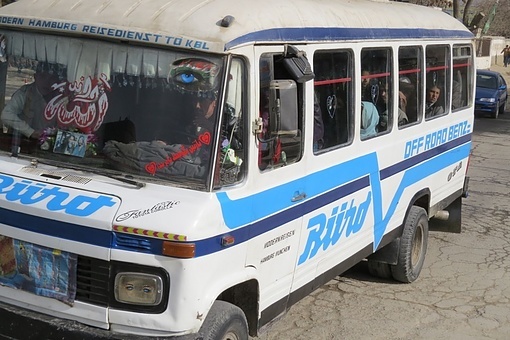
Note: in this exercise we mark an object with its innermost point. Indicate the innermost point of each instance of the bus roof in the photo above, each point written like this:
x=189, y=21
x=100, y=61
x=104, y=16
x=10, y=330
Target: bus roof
x=196, y=24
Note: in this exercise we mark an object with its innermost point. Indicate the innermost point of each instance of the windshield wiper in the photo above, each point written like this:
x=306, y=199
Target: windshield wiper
x=126, y=179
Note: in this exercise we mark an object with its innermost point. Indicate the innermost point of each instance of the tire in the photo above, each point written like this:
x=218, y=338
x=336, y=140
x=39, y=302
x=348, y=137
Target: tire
x=380, y=269
x=496, y=112
x=502, y=108
x=224, y=321
x=413, y=246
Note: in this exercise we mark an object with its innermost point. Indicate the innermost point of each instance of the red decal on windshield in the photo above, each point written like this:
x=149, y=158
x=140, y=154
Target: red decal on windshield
x=204, y=138
x=81, y=104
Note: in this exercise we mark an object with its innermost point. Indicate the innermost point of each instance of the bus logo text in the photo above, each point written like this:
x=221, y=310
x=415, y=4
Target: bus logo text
x=325, y=232
x=27, y=193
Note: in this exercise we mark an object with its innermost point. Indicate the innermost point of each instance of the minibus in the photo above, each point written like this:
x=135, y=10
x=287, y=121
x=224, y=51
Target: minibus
x=192, y=169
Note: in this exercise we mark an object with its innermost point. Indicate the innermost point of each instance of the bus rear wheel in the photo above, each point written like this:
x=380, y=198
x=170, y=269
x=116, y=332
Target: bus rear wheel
x=413, y=246
x=224, y=321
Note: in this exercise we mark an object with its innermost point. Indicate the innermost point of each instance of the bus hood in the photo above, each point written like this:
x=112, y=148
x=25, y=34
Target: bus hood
x=90, y=212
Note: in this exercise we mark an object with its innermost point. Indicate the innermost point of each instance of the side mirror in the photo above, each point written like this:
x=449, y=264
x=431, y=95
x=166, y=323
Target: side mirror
x=283, y=108
x=297, y=64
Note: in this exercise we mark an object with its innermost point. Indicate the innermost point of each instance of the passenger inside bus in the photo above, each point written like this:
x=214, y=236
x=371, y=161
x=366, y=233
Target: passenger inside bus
x=407, y=99
x=368, y=85
x=457, y=100
x=384, y=118
x=182, y=149
x=433, y=107
x=318, y=125
x=369, y=120
x=25, y=111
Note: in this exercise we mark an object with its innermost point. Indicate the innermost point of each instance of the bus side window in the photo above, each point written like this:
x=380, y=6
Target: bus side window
x=278, y=149
x=410, y=83
x=437, y=80
x=462, y=87
x=232, y=144
x=377, y=62
x=333, y=96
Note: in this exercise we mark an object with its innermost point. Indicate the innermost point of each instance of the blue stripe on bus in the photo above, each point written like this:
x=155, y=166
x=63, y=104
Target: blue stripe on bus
x=405, y=164
x=303, y=34
x=237, y=213
x=326, y=186
x=54, y=228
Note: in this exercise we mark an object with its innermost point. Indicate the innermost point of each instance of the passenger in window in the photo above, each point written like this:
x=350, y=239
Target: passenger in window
x=402, y=117
x=433, y=108
x=186, y=151
x=25, y=111
x=204, y=109
x=402, y=102
x=318, y=125
x=204, y=125
x=197, y=77
x=457, y=91
x=406, y=102
x=369, y=120
x=366, y=86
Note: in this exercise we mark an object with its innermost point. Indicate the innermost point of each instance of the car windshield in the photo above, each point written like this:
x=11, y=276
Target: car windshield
x=486, y=81
x=110, y=107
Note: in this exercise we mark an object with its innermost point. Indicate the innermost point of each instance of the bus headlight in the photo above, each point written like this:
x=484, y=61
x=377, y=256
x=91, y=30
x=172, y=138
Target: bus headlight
x=138, y=288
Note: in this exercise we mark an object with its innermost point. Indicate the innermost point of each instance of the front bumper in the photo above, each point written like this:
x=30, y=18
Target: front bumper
x=486, y=108
x=23, y=324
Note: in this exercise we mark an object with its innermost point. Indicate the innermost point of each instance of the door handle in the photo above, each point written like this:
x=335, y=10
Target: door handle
x=298, y=196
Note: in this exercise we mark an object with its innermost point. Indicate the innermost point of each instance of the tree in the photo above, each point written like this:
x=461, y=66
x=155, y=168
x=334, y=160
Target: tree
x=499, y=24
x=477, y=13
x=459, y=7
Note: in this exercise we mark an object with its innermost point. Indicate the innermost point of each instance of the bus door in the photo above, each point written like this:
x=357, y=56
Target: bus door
x=279, y=177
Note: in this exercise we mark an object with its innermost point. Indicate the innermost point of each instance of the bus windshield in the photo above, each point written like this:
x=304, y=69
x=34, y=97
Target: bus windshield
x=109, y=107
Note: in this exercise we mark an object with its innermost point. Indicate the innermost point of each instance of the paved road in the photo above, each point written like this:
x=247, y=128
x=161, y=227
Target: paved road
x=464, y=289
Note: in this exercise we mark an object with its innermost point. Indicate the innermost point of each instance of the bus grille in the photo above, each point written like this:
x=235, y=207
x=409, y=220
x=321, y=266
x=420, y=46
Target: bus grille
x=92, y=278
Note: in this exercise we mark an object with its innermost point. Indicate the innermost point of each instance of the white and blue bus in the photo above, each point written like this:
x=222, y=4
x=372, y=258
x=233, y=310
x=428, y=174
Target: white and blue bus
x=194, y=168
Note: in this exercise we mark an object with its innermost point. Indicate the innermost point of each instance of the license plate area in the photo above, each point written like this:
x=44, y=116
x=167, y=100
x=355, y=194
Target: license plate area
x=39, y=270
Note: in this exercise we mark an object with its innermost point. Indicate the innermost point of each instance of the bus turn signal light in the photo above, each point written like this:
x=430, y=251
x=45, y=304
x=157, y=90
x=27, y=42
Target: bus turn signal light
x=178, y=249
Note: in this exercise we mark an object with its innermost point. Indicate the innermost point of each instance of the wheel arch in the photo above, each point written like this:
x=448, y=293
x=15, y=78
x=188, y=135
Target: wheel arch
x=420, y=199
x=387, y=251
x=245, y=295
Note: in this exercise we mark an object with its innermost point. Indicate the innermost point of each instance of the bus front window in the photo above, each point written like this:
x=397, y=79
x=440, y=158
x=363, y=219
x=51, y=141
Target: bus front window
x=110, y=107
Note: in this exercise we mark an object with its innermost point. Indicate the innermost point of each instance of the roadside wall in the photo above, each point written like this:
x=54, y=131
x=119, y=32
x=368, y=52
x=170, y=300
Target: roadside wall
x=488, y=51
x=498, y=43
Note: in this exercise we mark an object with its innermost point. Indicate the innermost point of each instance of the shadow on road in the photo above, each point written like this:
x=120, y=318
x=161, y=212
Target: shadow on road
x=487, y=124
x=360, y=272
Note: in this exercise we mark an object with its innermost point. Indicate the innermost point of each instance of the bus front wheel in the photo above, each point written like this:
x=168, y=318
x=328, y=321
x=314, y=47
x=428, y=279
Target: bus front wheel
x=224, y=321
x=413, y=246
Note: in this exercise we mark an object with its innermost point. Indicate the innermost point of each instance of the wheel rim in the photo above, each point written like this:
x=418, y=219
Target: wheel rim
x=417, y=246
